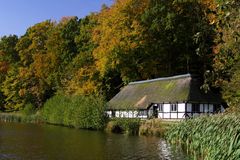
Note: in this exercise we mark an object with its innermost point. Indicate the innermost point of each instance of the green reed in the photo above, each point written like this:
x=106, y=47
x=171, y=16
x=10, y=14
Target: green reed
x=209, y=137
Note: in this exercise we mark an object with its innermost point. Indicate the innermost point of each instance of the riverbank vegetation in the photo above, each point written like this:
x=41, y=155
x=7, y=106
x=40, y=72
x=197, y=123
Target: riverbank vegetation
x=124, y=125
x=209, y=137
x=20, y=118
x=85, y=112
x=150, y=127
x=154, y=127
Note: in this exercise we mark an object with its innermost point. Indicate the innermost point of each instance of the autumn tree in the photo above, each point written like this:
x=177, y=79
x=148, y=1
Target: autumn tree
x=227, y=59
x=81, y=75
x=8, y=60
x=27, y=83
x=152, y=38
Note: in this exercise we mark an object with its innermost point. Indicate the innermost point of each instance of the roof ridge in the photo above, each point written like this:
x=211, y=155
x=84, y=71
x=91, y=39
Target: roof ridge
x=162, y=79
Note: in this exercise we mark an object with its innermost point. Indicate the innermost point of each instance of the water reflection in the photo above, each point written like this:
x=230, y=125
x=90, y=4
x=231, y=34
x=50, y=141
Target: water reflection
x=28, y=141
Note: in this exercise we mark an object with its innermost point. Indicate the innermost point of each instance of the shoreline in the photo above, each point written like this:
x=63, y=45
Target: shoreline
x=150, y=127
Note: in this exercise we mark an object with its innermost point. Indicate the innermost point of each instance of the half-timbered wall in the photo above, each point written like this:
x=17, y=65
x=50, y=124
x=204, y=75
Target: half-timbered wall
x=167, y=111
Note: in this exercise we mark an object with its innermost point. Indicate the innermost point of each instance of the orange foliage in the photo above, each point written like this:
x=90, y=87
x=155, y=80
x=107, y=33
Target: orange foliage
x=118, y=29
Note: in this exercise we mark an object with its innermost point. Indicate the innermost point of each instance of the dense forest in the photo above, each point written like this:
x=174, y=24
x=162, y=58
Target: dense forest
x=130, y=40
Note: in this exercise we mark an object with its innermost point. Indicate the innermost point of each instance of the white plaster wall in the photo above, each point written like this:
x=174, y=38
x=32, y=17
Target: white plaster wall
x=189, y=107
x=174, y=115
x=133, y=114
x=160, y=115
x=181, y=107
x=109, y=113
x=117, y=114
x=166, y=115
x=166, y=107
x=181, y=115
x=130, y=114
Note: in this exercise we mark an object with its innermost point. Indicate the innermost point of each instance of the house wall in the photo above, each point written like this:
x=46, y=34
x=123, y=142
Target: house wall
x=125, y=114
x=206, y=108
x=168, y=114
x=183, y=110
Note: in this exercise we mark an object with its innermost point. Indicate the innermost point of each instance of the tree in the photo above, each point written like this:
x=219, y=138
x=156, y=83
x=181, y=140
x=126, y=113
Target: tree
x=8, y=60
x=81, y=77
x=27, y=83
x=227, y=57
x=152, y=38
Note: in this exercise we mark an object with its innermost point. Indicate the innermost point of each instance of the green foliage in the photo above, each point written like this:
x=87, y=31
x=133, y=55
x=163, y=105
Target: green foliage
x=20, y=118
x=227, y=59
x=214, y=138
x=76, y=111
x=28, y=110
x=154, y=127
x=124, y=125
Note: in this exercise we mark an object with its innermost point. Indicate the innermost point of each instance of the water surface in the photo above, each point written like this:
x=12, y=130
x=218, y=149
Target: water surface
x=47, y=142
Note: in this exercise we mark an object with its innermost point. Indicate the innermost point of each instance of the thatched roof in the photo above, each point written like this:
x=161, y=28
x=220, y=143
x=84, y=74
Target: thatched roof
x=182, y=88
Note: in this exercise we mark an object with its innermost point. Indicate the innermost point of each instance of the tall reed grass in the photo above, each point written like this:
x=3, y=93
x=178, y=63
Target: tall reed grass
x=212, y=138
x=21, y=118
x=154, y=127
x=85, y=112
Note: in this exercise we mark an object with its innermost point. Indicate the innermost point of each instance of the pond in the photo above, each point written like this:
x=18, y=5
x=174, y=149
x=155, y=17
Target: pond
x=40, y=142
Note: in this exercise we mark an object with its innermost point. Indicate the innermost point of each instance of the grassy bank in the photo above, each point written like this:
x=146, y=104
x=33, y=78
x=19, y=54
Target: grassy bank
x=152, y=127
x=123, y=125
x=155, y=127
x=213, y=138
x=20, y=117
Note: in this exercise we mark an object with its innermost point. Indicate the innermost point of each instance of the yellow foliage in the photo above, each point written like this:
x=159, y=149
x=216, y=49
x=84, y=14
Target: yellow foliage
x=83, y=82
x=118, y=29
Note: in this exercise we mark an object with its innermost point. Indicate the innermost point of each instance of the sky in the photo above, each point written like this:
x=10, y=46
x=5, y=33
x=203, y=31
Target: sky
x=18, y=15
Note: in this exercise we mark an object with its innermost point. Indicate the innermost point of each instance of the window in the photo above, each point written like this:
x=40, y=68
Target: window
x=143, y=113
x=195, y=108
x=160, y=107
x=173, y=107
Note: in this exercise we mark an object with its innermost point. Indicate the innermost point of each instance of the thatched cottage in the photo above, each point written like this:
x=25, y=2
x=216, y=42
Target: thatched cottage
x=174, y=97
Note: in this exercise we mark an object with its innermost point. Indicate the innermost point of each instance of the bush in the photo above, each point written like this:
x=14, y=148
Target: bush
x=124, y=125
x=75, y=111
x=214, y=138
x=29, y=109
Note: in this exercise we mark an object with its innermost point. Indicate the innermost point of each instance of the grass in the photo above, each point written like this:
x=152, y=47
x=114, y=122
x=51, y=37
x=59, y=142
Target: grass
x=212, y=138
x=154, y=127
x=20, y=117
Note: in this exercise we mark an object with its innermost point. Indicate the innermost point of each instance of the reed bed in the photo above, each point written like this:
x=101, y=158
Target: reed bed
x=211, y=138
x=19, y=117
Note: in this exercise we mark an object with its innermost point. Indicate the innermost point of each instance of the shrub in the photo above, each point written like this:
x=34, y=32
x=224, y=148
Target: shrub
x=29, y=109
x=76, y=111
x=124, y=125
